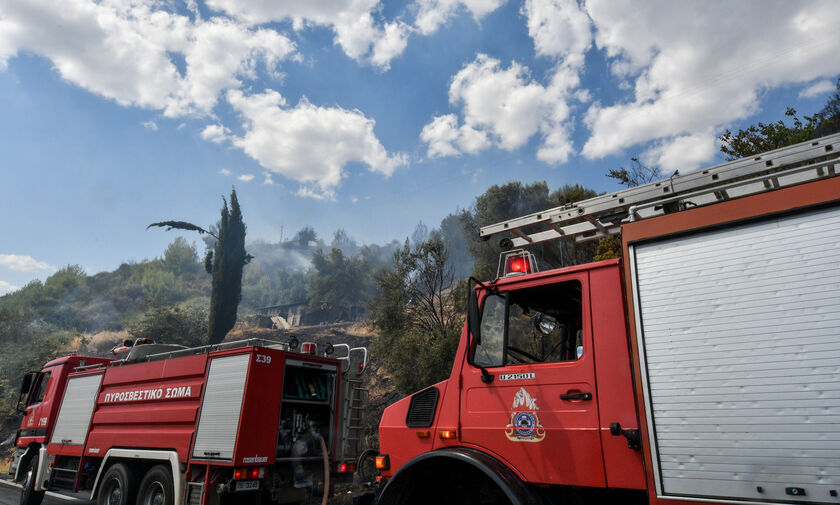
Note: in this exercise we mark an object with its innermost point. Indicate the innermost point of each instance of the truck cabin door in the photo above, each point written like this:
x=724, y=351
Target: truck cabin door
x=538, y=412
x=38, y=405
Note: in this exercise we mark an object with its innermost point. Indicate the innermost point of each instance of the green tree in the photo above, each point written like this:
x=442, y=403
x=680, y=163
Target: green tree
x=340, y=281
x=183, y=325
x=761, y=137
x=500, y=203
x=226, y=262
x=181, y=258
x=417, y=314
x=830, y=114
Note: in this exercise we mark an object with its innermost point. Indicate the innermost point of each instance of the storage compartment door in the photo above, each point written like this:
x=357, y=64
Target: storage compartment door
x=740, y=336
x=218, y=423
x=77, y=405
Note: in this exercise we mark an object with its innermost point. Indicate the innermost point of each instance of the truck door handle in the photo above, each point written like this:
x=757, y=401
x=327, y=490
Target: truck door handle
x=576, y=396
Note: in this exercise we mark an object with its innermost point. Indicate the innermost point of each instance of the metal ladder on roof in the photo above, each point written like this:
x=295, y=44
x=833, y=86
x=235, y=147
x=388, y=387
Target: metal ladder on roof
x=602, y=215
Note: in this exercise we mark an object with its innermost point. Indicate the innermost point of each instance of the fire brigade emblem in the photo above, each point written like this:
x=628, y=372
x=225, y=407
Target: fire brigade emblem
x=524, y=422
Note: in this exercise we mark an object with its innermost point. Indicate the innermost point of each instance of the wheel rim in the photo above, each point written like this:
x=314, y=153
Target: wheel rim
x=115, y=493
x=155, y=495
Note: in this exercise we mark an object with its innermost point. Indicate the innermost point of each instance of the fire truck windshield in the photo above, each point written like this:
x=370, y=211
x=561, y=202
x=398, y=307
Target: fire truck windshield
x=533, y=325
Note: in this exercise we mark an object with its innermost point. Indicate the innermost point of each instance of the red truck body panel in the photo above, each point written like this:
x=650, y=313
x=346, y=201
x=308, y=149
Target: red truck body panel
x=148, y=405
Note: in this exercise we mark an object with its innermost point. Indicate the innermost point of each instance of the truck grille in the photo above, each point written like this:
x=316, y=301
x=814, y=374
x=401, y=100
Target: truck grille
x=421, y=411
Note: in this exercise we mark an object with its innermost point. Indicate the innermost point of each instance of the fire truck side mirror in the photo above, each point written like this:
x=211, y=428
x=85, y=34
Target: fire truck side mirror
x=27, y=382
x=24, y=389
x=473, y=315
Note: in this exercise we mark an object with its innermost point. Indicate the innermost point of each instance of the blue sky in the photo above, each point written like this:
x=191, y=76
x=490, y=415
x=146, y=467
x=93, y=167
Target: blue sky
x=365, y=115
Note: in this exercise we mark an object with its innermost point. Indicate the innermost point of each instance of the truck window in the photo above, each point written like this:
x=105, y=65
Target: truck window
x=536, y=325
x=40, y=388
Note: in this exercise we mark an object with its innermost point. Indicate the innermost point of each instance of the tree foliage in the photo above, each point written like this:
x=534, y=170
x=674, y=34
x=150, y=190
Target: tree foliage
x=180, y=324
x=338, y=281
x=418, y=315
x=514, y=199
x=636, y=175
x=762, y=137
x=230, y=258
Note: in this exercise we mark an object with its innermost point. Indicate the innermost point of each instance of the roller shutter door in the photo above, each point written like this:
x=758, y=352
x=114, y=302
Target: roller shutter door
x=77, y=405
x=219, y=420
x=740, y=332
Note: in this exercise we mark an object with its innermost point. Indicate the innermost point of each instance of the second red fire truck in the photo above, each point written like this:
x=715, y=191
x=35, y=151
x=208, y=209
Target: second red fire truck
x=253, y=421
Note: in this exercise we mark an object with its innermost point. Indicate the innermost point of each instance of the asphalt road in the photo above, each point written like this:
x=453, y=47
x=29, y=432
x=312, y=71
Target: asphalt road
x=10, y=495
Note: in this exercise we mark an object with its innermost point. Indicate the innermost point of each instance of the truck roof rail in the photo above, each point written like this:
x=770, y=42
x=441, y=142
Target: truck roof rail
x=189, y=351
x=602, y=215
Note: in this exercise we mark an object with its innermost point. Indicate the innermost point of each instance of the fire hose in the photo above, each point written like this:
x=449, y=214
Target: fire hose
x=326, y=491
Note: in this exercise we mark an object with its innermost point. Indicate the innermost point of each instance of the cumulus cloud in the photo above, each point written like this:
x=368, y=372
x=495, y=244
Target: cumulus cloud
x=6, y=287
x=506, y=107
x=307, y=143
x=225, y=171
x=150, y=125
x=688, y=84
x=356, y=30
x=431, y=14
x=21, y=263
x=502, y=107
x=818, y=88
x=124, y=50
x=559, y=28
x=215, y=133
x=246, y=177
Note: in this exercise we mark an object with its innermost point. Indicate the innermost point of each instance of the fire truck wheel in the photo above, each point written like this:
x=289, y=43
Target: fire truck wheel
x=28, y=495
x=157, y=487
x=119, y=486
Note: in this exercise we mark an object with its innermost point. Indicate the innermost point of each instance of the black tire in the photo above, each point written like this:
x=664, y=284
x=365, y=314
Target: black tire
x=118, y=487
x=28, y=495
x=157, y=487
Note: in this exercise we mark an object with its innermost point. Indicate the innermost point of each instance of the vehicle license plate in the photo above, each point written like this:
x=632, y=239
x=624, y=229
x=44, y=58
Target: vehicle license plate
x=247, y=485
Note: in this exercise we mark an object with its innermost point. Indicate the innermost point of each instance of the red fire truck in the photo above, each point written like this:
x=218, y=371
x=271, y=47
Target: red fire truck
x=704, y=366
x=252, y=421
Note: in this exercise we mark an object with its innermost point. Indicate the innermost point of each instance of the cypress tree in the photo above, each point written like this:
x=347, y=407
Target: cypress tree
x=230, y=259
x=226, y=262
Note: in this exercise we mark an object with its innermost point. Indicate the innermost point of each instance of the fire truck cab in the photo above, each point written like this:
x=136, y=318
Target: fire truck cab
x=700, y=367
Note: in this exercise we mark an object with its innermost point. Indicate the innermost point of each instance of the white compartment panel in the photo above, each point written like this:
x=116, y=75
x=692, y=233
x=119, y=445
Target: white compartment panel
x=741, y=335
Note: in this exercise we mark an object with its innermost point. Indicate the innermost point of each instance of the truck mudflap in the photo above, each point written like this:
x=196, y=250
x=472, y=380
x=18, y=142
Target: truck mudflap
x=514, y=489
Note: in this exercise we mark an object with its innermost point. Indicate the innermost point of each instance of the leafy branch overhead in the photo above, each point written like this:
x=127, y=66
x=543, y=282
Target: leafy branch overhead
x=182, y=225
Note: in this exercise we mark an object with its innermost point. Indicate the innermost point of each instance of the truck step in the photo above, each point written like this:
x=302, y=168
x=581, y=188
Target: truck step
x=194, y=492
x=62, y=478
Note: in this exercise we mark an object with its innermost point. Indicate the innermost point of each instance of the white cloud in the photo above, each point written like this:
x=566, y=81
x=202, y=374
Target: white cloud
x=431, y=14
x=123, y=50
x=23, y=263
x=150, y=125
x=245, y=177
x=268, y=181
x=503, y=108
x=6, y=287
x=506, y=107
x=818, y=88
x=309, y=144
x=215, y=133
x=225, y=171
x=360, y=36
x=559, y=29
x=692, y=78
x=681, y=153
